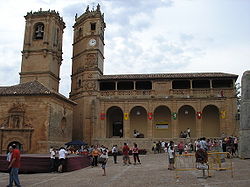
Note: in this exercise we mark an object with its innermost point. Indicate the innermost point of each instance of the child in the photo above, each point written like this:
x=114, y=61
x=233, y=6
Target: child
x=103, y=160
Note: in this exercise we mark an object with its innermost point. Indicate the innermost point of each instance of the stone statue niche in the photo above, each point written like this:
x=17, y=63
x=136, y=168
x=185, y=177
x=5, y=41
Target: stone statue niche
x=16, y=119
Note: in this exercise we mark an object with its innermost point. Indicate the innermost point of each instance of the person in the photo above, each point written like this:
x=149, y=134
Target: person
x=203, y=143
x=52, y=159
x=189, y=132
x=135, y=152
x=236, y=142
x=125, y=152
x=121, y=133
x=14, y=167
x=154, y=147
x=171, y=157
x=181, y=135
x=115, y=153
x=162, y=146
x=158, y=147
x=95, y=153
x=180, y=147
x=62, y=159
x=103, y=160
x=201, y=157
x=8, y=158
x=135, y=134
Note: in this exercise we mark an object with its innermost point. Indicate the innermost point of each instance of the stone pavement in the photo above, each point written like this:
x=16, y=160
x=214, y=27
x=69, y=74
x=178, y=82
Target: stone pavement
x=153, y=172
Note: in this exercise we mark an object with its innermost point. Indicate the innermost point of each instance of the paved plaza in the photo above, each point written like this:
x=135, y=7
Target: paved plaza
x=152, y=172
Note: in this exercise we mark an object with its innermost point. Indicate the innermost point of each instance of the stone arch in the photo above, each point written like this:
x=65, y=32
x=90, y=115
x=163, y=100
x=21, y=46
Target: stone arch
x=18, y=145
x=114, y=122
x=210, y=123
x=162, y=125
x=186, y=119
x=138, y=120
x=38, y=33
x=9, y=141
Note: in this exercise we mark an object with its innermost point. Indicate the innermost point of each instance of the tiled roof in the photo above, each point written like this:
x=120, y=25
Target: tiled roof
x=169, y=76
x=30, y=88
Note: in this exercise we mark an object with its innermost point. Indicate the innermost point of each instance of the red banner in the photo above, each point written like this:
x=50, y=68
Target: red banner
x=102, y=116
x=150, y=115
x=199, y=115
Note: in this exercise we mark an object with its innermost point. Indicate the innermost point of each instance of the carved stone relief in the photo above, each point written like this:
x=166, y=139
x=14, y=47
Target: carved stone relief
x=16, y=118
x=90, y=85
x=91, y=60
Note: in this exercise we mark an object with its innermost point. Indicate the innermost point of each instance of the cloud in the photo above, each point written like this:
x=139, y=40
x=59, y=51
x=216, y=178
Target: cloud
x=142, y=36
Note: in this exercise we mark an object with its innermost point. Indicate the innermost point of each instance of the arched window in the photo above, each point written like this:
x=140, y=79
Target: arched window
x=39, y=31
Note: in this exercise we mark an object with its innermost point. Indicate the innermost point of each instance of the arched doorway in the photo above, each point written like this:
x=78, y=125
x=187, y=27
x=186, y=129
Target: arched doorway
x=186, y=119
x=18, y=145
x=162, y=122
x=114, y=122
x=210, y=121
x=138, y=120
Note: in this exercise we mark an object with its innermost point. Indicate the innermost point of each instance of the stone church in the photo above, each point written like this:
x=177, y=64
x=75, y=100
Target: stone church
x=104, y=109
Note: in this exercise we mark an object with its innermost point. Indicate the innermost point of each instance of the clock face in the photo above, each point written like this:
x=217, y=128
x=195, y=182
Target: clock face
x=92, y=42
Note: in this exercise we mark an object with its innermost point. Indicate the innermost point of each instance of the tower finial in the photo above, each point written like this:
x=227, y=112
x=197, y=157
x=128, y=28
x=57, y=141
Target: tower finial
x=87, y=9
x=98, y=7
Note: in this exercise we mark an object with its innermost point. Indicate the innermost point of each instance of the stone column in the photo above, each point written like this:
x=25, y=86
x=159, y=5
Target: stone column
x=244, y=148
x=198, y=128
x=126, y=125
x=126, y=128
x=175, y=134
x=150, y=128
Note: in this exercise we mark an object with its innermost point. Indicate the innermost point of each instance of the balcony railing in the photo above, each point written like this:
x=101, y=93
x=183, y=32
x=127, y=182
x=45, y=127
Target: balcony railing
x=203, y=92
x=179, y=93
x=127, y=93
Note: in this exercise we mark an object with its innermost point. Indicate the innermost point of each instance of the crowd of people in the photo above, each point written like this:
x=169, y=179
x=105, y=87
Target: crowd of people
x=224, y=144
x=100, y=154
x=200, y=146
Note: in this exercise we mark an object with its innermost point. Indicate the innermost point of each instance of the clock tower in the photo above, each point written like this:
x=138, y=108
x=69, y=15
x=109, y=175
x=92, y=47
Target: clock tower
x=87, y=67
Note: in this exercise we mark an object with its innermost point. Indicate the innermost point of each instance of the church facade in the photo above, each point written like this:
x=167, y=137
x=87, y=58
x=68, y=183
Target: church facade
x=33, y=115
x=107, y=109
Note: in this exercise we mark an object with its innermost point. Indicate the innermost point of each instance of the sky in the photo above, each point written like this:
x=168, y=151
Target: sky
x=141, y=36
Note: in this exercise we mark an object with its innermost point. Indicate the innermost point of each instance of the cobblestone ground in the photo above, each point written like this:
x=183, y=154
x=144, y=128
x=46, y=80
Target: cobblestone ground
x=152, y=172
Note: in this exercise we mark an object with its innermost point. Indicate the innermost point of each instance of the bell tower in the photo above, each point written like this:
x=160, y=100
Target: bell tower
x=42, y=48
x=87, y=67
x=88, y=46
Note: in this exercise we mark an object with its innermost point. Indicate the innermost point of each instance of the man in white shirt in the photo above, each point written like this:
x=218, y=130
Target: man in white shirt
x=52, y=159
x=62, y=159
x=115, y=153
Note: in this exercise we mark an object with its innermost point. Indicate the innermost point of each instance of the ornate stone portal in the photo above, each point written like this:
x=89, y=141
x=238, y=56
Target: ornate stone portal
x=16, y=127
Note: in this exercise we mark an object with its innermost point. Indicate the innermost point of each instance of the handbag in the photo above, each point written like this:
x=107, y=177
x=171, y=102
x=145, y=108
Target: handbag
x=202, y=166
